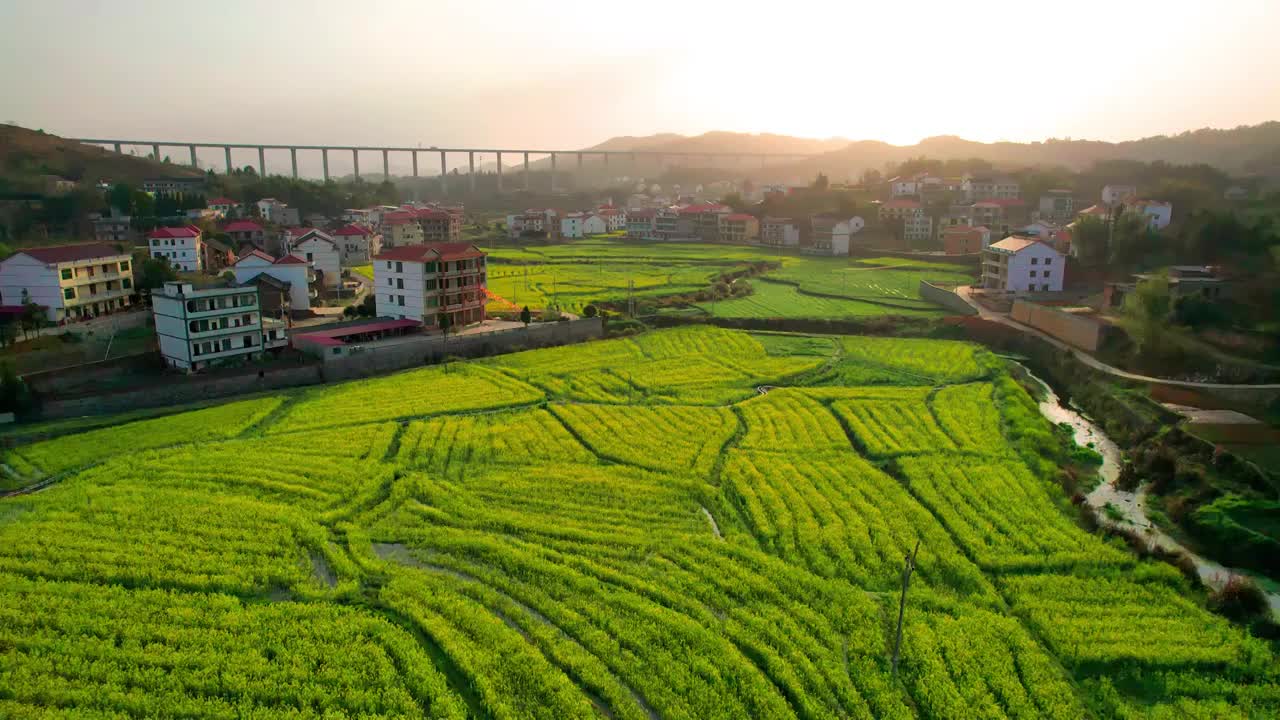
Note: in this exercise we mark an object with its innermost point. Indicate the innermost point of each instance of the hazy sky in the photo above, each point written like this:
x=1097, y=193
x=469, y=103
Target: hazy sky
x=570, y=74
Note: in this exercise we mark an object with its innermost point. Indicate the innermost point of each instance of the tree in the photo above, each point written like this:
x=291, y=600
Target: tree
x=155, y=272
x=32, y=317
x=1090, y=239
x=120, y=197
x=735, y=201
x=590, y=311
x=13, y=391
x=1146, y=315
x=526, y=317
x=821, y=182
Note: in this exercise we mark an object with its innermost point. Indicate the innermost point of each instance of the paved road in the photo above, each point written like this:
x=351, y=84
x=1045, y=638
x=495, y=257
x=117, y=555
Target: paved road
x=1093, y=362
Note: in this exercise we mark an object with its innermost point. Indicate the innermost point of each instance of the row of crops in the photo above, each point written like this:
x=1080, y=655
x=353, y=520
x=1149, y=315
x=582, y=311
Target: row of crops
x=692, y=523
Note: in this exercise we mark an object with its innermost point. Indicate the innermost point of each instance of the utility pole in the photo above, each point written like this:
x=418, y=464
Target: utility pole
x=908, y=568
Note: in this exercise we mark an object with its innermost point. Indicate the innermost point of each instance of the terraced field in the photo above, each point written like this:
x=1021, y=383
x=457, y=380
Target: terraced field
x=578, y=273
x=691, y=523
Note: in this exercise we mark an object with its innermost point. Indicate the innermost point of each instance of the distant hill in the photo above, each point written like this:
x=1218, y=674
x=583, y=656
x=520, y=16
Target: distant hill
x=1242, y=150
x=26, y=155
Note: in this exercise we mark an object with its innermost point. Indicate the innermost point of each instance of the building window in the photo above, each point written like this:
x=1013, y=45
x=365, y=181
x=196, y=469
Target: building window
x=1048, y=261
x=126, y=283
x=69, y=294
x=399, y=266
x=400, y=300
x=389, y=282
x=66, y=273
x=431, y=267
x=1035, y=261
x=399, y=283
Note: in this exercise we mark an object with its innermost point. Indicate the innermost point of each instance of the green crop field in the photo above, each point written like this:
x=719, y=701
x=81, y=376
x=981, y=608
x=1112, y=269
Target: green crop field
x=688, y=523
x=574, y=274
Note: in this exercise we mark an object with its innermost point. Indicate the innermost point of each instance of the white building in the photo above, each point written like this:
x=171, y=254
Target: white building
x=70, y=281
x=357, y=244
x=916, y=225
x=831, y=234
x=615, y=219
x=422, y=282
x=181, y=246
x=322, y=252
x=1019, y=264
x=199, y=328
x=1115, y=194
x=224, y=205
x=1158, y=214
x=903, y=186
x=290, y=269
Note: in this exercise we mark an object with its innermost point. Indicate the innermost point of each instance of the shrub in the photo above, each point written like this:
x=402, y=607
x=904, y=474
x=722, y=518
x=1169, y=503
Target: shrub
x=1240, y=599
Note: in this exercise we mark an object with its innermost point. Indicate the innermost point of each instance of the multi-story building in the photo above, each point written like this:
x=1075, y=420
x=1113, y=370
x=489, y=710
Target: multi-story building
x=739, y=228
x=424, y=282
x=986, y=187
x=199, y=328
x=357, y=244
x=246, y=232
x=289, y=269
x=218, y=256
x=702, y=221
x=1019, y=264
x=579, y=225
x=181, y=246
x=321, y=251
x=830, y=234
x=916, y=226
x=615, y=219
x=779, y=232
x=439, y=225
x=277, y=212
x=1057, y=205
x=114, y=230
x=543, y=223
x=69, y=281
x=666, y=223
x=640, y=224
x=1115, y=194
x=400, y=228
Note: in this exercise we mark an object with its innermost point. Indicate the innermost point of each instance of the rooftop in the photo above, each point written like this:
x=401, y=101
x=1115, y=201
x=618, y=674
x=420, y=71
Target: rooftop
x=432, y=251
x=1015, y=244
x=352, y=229
x=71, y=253
x=189, y=231
x=242, y=226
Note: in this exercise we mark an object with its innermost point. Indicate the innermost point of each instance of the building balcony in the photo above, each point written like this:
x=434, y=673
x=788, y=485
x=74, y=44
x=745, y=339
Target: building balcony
x=202, y=335
x=219, y=312
x=100, y=277
x=235, y=350
x=90, y=298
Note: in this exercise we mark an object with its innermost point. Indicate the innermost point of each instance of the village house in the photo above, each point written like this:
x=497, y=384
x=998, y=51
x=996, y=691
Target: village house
x=321, y=251
x=1200, y=281
x=290, y=269
x=739, y=228
x=965, y=239
x=114, y=230
x=830, y=234
x=641, y=224
x=181, y=246
x=224, y=205
x=916, y=226
x=400, y=228
x=1158, y=214
x=615, y=219
x=357, y=244
x=1115, y=194
x=439, y=224
x=198, y=328
x=779, y=232
x=1020, y=264
x=986, y=187
x=218, y=255
x=69, y=281
x=246, y=232
x=1057, y=205
x=424, y=282
x=579, y=225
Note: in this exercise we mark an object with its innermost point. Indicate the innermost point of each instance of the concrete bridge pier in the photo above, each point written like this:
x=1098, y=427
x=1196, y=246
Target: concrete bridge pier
x=581, y=180
x=227, y=151
x=155, y=152
x=553, y=172
x=499, y=172
x=386, y=166
x=471, y=165
x=635, y=164
x=118, y=149
x=526, y=171
x=324, y=158
x=444, y=175
x=293, y=157
x=192, y=148
x=355, y=162
x=414, y=155
x=262, y=161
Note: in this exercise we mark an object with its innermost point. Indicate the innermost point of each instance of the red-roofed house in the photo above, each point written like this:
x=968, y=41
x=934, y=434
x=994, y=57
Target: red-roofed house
x=246, y=232
x=70, y=281
x=181, y=246
x=289, y=269
x=615, y=219
x=739, y=228
x=424, y=282
x=702, y=221
x=357, y=244
x=224, y=205
x=400, y=228
x=780, y=232
x=440, y=225
x=641, y=224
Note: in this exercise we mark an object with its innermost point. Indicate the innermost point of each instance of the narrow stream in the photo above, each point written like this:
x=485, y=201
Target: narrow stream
x=1129, y=508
